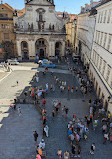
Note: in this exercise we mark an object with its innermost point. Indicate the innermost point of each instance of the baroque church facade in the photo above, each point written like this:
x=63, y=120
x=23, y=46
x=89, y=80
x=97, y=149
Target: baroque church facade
x=39, y=31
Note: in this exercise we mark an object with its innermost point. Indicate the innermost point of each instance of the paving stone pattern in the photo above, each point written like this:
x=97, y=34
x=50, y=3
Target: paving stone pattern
x=16, y=134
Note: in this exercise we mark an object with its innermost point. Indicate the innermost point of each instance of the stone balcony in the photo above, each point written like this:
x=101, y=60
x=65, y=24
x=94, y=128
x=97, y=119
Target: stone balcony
x=39, y=32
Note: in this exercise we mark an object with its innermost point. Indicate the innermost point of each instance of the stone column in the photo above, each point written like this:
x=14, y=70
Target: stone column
x=31, y=48
x=19, y=53
x=63, y=49
x=52, y=49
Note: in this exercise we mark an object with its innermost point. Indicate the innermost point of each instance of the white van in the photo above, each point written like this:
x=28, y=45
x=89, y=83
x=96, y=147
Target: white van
x=13, y=62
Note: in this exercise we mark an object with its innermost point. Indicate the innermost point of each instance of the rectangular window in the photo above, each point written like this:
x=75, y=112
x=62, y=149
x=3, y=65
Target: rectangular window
x=2, y=26
x=6, y=36
x=103, y=70
x=3, y=15
x=109, y=42
x=100, y=64
x=101, y=17
x=105, y=38
x=101, y=37
x=108, y=73
x=97, y=59
x=105, y=15
x=98, y=37
x=109, y=15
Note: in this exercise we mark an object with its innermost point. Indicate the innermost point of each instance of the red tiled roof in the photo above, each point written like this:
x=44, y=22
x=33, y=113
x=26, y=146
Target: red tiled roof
x=8, y=6
x=20, y=12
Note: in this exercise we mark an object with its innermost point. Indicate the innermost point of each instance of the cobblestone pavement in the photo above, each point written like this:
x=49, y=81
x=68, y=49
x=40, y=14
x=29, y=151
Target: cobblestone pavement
x=58, y=138
x=15, y=128
x=16, y=134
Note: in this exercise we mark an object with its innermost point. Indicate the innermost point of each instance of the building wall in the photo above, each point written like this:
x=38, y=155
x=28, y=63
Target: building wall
x=82, y=36
x=32, y=39
x=53, y=31
x=101, y=57
x=32, y=16
x=7, y=29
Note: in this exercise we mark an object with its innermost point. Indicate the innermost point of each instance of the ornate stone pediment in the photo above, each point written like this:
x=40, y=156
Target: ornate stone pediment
x=43, y=2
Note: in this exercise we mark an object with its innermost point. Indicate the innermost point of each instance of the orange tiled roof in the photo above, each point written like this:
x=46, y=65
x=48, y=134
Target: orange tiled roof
x=20, y=12
x=8, y=6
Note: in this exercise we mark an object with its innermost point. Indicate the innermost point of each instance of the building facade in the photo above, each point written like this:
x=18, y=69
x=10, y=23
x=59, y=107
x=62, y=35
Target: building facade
x=71, y=28
x=85, y=31
x=101, y=57
x=39, y=31
x=7, y=35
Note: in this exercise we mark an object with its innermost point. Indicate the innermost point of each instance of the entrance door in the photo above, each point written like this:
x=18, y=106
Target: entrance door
x=25, y=55
x=41, y=54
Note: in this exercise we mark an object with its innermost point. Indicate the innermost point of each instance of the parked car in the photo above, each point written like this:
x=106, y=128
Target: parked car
x=44, y=61
x=13, y=61
x=75, y=57
x=47, y=63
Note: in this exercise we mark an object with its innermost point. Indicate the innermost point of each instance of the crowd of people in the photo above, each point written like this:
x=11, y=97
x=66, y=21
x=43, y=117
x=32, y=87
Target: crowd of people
x=77, y=129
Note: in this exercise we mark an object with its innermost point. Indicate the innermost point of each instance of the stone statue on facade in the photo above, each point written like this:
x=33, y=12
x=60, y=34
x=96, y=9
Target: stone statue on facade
x=53, y=27
x=28, y=27
x=50, y=26
x=32, y=27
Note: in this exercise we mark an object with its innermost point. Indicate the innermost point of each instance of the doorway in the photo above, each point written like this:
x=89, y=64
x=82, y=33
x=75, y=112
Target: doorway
x=41, y=54
x=25, y=55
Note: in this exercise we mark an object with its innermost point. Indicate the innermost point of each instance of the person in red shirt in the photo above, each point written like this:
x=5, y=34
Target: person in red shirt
x=44, y=102
x=68, y=88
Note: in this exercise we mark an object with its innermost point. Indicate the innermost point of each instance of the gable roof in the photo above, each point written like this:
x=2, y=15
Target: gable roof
x=8, y=6
x=20, y=12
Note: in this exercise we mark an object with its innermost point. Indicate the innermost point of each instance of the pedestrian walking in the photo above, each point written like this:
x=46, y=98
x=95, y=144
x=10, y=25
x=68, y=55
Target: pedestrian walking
x=73, y=150
x=42, y=144
x=59, y=153
x=79, y=151
x=76, y=88
x=38, y=156
x=46, y=129
x=72, y=89
x=92, y=149
x=68, y=89
x=14, y=106
x=106, y=137
x=47, y=87
x=19, y=111
x=53, y=113
x=66, y=110
x=66, y=155
x=17, y=83
x=44, y=102
x=35, y=136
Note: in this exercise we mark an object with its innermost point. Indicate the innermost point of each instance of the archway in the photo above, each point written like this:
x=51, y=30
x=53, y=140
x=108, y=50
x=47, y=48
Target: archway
x=58, y=48
x=42, y=48
x=24, y=50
